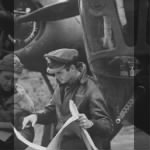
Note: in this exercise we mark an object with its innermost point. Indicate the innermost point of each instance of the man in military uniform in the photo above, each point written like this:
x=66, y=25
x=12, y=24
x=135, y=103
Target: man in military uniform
x=14, y=104
x=74, y=84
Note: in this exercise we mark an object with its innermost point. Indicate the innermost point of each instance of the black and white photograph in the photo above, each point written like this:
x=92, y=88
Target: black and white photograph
x=74, y=75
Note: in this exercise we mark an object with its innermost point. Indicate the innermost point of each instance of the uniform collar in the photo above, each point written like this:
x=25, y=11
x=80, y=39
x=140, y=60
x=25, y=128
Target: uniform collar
x=83, y=74
x=83, y=77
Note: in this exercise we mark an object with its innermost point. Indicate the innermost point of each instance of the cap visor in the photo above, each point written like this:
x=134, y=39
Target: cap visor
x=54, y=70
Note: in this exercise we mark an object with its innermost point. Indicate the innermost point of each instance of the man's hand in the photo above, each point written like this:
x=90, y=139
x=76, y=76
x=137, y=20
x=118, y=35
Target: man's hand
x=29, y=119
x=85, y=122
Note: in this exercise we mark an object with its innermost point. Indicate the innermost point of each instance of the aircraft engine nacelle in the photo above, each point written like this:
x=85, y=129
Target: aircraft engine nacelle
x=40, y=34
x=55, y=35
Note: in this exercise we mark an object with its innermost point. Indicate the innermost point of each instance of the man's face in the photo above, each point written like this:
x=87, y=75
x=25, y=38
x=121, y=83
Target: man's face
x=8, y=80
x=63, y=76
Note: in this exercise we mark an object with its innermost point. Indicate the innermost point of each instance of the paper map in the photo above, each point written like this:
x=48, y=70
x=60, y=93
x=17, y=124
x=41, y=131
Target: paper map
x=54, y=144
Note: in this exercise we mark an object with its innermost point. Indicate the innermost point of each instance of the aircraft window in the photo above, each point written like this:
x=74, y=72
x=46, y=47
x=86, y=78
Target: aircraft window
x=98, y=29
x=118, y=25
x=101, y=34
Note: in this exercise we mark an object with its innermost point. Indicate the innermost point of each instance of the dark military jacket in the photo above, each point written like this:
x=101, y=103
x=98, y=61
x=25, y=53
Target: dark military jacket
x=89, y=100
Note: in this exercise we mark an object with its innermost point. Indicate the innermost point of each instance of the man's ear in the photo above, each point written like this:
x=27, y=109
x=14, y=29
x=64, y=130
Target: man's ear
x=72, y=67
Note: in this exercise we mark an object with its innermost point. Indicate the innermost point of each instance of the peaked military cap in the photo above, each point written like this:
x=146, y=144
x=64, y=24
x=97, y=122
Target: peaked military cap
x=57, y=59
x=11, y=63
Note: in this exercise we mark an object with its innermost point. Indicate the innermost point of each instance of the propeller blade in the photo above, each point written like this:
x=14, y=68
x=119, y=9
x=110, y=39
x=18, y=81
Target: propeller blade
x=56, y=11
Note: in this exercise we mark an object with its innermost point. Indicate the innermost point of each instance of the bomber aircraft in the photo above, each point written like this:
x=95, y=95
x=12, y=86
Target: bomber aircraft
x=112, y=36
